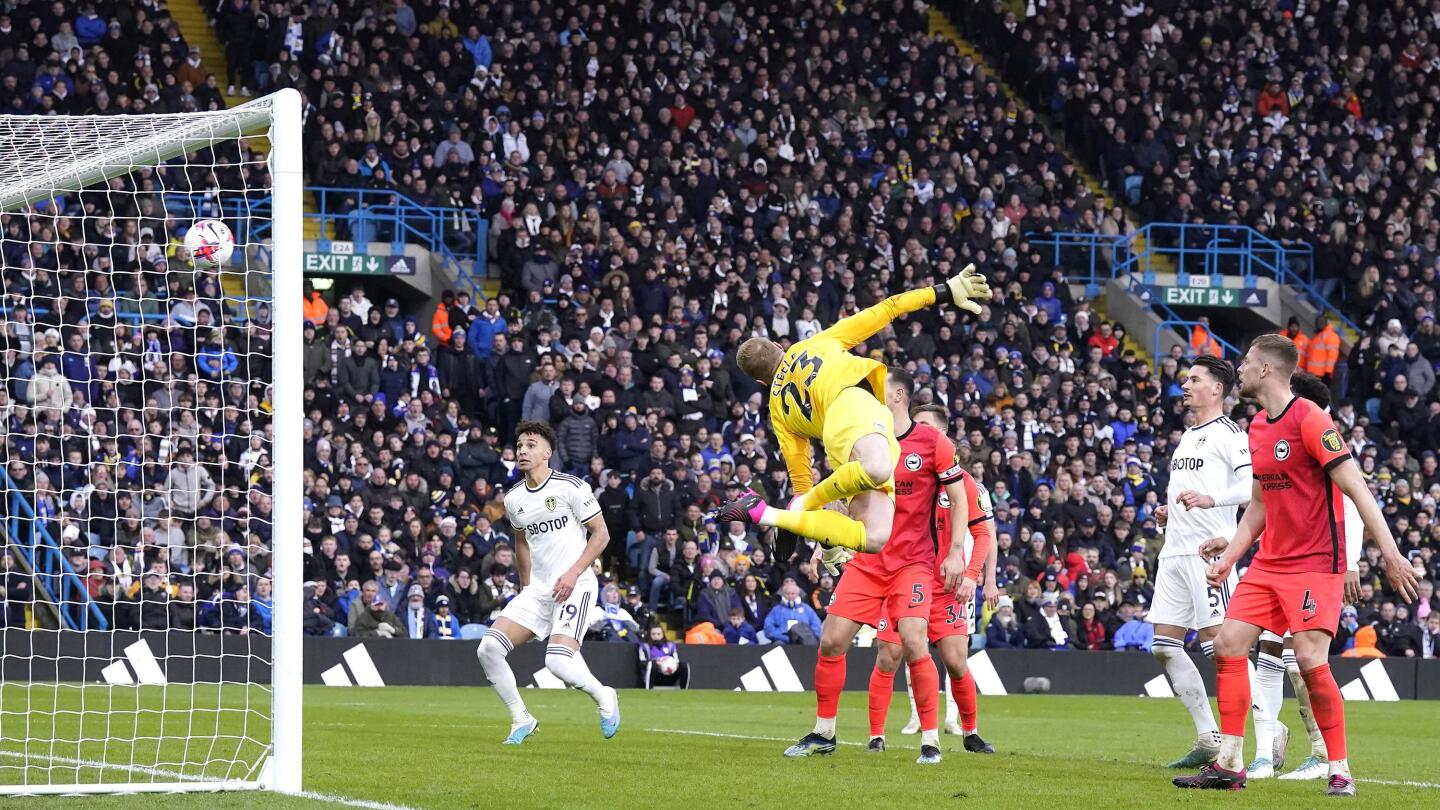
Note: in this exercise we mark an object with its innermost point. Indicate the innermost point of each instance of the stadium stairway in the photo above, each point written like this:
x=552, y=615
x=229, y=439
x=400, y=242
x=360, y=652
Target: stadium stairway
x=197, y=30
x=941, y=26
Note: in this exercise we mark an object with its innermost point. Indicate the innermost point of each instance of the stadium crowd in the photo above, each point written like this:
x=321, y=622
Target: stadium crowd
x=662, y=182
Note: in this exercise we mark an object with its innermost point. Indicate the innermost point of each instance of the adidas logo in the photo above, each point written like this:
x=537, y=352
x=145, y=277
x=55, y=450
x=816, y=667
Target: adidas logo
x=143, y=668
x=1373, y=676
x=781, y=674
x=362, y=671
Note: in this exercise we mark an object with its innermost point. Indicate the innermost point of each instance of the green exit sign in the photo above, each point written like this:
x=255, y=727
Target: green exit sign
x=1209, y=296
x=358, y=264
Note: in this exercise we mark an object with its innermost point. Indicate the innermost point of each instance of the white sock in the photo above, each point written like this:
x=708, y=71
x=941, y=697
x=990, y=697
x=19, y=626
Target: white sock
x=1268, y=694
x=1188, y=685
x=910, y=693
x=952, y=709
x=1302, y=698
x=569, y=666
x=825, y=727
x=1340, y=766
x=491, y=652
x=1232, y=752
x=931, y=737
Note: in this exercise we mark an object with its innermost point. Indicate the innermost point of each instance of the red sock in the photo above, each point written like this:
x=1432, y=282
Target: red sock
x=829, y=680
x=882, y=688
x=1232, y=692
x=964, y=691
x=1329, y=709
x=925, y=682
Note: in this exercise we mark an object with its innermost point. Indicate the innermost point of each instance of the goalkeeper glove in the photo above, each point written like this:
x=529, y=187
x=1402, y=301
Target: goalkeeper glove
x=964, y=290
x=832, y=557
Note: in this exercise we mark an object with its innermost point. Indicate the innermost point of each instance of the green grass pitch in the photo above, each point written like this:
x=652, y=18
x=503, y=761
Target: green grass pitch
x=439, y=748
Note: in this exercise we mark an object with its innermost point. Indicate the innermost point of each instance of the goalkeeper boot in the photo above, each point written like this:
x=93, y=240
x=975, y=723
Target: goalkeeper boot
x=975, y=744
x=1212, y=777
x=876, y=746
x=1277, y=748
x=1201, y=755
x=1312, y=768
x=1260, y=768
x=610, y=722
x=811, y=744
x=929, y=755
x=748, y=509
x=522, y=732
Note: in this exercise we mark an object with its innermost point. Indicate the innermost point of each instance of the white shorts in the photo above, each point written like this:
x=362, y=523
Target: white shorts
x=535, y=610
x=1183, y=597
x=1266, y=635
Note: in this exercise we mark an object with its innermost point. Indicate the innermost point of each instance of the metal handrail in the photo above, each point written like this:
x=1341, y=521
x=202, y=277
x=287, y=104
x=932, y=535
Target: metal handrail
x=48, y=564
x=1229, y=349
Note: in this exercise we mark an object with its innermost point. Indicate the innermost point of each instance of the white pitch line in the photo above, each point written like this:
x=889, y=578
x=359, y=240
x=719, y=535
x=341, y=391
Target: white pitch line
x=693, y=733
x=181, y=777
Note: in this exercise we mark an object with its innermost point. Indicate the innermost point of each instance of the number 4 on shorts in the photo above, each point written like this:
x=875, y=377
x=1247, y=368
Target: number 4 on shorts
x=1308, y=606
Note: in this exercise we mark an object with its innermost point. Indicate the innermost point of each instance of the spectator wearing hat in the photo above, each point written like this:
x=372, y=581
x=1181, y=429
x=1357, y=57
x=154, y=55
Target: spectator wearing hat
x=376, y=620
x=716, y=601
x=391, y=586
x=443, y=624
x=496, y=591
x=1050, y=629
x=416, y=620
x=1004, y=630
x=614, y=621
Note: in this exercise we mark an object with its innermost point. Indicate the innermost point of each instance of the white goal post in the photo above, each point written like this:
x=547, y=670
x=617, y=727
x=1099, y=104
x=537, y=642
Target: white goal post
x=152, y=477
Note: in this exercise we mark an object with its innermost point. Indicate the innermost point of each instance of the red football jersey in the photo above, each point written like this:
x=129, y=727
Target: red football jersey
x=927, y=462
x=1292, y=453
x=979, y=513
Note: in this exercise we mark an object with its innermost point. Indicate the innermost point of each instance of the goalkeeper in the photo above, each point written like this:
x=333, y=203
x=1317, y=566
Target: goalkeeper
x=818, y=390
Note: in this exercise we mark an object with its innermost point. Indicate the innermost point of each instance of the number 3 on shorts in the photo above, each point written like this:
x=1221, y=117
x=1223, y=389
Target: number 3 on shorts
x=917, y=594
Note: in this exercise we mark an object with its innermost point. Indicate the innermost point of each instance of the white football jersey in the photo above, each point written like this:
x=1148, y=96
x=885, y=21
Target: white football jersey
x=1210, y=459
x=553, y=517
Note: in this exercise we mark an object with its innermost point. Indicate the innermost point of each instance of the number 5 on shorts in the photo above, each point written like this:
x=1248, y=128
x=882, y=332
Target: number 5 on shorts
x=917, y=594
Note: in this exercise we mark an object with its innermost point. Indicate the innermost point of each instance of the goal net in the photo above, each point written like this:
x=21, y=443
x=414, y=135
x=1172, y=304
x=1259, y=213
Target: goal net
x=150, y=504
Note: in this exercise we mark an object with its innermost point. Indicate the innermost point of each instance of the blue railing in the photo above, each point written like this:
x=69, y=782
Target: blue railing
x=1213, y=250
x=454, y=236
x=55, y=580
x=1186, y=329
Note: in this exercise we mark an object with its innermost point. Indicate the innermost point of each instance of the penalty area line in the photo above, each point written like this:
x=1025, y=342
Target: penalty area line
x=166, y=773
x=758, y=738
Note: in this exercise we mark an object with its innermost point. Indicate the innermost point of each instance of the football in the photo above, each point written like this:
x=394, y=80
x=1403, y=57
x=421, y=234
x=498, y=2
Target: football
x=210, y=243
x=667, y=664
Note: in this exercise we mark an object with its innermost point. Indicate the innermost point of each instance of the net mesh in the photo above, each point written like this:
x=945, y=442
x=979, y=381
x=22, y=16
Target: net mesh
x=137, y=488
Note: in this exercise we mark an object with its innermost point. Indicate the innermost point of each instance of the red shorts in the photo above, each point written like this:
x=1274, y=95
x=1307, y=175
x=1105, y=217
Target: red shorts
x=871, y=597
x=947, y=618
x=1294, y=602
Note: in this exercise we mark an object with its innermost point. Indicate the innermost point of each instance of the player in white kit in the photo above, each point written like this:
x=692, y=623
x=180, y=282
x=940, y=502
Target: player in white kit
x=550, y=513
x=1210, y=477
x=1276, y=660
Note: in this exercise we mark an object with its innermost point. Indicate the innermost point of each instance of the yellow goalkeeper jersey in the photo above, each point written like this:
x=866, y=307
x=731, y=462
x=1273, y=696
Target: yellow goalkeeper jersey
x=815, y=371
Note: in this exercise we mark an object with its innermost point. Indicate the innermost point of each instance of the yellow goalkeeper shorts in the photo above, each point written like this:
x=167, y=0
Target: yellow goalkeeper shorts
x=856, y=413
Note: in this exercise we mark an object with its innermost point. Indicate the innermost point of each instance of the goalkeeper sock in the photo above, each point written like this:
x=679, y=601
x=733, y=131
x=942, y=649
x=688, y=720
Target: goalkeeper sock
x=926, y=681
x=829, y=680
x=1302, y=697
x=491, y=652
x=963, y=690
x=1232, y=687
x=829, y=528
x=882, y=688
x=1329, y=711
x=1268, y=698
x=847, y=481
x=568, y=666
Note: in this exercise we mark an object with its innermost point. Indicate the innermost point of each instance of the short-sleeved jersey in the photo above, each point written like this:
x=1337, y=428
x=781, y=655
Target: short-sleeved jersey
x=553, y=517
x=978, y=520
x=814, y=371
x=1292, y=453
x=927, y=463
x=1210, y=458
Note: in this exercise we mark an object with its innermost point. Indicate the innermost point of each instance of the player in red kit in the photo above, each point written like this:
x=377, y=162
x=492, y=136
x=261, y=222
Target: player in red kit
x=950, y=611
x=896, y=584
x=1296, y=581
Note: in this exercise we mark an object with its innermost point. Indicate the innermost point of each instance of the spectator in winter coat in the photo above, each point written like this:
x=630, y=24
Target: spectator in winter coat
x=788, y=612
x=358, y=377
x=536, y=405
x=739, y=631
x=717, y=601
x=1134, y=633
x=578, y=436
x=656, y=506
x=482, y=332
x=1004, y=631
x=443, y=625
x=686, y=579
x=1051, y=629
x=377, y=622
x=49, y=391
